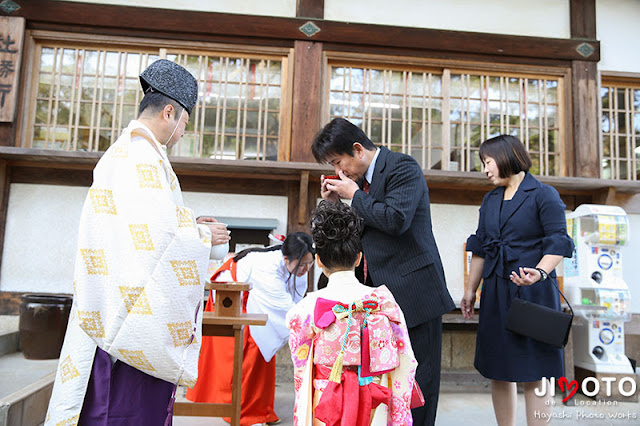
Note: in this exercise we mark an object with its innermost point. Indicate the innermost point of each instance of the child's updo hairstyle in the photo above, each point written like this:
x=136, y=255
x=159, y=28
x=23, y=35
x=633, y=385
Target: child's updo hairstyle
x=336, y=230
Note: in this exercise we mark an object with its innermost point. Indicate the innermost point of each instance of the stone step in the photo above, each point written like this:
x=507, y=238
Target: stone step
x=9, y=343
x=9, y=336
x=25, y=389
x=28, y=406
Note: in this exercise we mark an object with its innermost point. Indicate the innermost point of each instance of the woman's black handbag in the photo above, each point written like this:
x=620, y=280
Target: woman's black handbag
x=539, y=322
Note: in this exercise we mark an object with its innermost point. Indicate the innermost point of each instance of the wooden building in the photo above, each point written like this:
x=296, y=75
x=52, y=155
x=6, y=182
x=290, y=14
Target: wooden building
x=432, y=79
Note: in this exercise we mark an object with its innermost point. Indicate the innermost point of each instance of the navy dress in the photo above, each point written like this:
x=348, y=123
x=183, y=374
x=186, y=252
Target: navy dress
x=512, y=234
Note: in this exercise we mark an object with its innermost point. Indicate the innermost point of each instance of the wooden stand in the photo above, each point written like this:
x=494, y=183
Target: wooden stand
x=228, y=298
x=217, y=324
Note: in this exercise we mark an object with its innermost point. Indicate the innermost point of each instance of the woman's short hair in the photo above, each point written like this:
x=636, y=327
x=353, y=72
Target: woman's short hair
x=336, y=229
x=508, y=152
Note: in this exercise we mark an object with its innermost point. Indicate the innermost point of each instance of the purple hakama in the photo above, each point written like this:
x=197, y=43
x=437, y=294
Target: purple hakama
x=120, y=395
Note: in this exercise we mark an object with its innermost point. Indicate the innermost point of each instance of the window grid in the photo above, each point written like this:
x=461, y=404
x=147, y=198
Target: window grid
x=389, y=106
x=426, y=113
x=238, y=110
x=84, y=97
x=620, y=132
x=484, y=106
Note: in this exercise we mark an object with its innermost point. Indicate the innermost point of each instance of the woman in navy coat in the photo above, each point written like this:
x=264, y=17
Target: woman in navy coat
x=521, y=238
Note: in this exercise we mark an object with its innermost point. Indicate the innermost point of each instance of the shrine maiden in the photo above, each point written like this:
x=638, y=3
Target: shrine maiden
x=278, y=276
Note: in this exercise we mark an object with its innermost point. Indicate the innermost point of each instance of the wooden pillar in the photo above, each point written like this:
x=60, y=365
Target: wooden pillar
x=307, y=85
x=310, y=9
x=584, y=97
x=5, y=182
x=307, y=99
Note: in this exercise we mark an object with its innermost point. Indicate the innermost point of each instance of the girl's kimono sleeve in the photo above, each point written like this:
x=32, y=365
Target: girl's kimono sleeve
x=299, y=322
x=402, y=378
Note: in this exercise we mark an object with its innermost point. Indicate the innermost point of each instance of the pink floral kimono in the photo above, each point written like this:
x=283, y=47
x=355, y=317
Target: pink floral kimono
x=352, y=356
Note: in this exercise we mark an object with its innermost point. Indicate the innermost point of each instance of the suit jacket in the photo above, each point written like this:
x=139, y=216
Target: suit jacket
x=398, y=242
x=532, y=225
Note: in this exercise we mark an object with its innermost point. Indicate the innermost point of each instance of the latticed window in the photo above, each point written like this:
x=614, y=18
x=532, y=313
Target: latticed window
x=84, y=97
x=426, y=113
x=620, y=130
x=238, y=110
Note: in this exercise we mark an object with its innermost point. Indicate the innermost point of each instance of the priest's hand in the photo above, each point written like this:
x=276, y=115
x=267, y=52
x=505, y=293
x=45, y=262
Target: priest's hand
x=219, y=232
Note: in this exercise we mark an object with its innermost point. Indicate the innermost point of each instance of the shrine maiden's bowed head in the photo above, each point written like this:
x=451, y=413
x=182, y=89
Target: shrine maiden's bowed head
x=173, y=81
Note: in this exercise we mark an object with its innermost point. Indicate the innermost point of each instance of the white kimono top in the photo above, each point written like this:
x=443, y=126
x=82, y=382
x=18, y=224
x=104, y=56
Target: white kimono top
x=139, y=275
x=270, y=294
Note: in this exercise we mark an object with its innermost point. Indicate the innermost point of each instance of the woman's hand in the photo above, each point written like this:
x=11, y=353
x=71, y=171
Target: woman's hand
x=467, y=304
x=527, y=276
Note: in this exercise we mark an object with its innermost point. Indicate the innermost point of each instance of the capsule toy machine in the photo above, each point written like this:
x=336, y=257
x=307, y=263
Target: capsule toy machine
x=595, y=287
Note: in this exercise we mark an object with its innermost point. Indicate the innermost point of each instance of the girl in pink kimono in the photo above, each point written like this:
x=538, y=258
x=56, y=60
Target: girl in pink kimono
x=353, y=361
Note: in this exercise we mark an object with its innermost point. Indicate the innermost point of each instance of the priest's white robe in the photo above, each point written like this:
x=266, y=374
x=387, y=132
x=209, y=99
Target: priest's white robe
x=140, y=269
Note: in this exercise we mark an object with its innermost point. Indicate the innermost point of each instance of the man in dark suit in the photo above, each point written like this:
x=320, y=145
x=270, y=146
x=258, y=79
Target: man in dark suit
x=389, y=191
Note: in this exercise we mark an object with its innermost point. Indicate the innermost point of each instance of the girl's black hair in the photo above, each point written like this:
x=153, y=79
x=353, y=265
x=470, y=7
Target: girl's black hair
x=336, y=229
x=295, y=247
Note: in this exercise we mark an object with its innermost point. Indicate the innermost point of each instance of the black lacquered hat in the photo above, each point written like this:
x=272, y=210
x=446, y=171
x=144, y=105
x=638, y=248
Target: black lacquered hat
x=171, y=80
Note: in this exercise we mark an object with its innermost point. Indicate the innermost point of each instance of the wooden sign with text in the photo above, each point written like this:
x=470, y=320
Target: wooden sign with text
x=11, y=42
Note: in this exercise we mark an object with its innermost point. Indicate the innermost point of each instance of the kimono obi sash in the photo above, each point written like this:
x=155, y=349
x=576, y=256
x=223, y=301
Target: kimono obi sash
x=370, y=341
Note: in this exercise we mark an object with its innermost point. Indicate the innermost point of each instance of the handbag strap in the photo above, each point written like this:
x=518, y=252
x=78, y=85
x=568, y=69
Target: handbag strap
x=557, y=288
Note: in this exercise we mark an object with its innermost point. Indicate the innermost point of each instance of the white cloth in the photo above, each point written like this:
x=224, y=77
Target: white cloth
x=271, y=293
x=139, y=274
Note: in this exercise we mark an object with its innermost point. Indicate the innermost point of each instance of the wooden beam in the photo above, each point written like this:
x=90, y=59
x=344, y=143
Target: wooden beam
x=303, y=210
x=7, y=134
x=203, y=409
x=310, y=9
x=293, y=198
x=583, y=18
x=605, y=196
x=586, y=138
x=5, y=184
x=307, y=99
x=182, y=24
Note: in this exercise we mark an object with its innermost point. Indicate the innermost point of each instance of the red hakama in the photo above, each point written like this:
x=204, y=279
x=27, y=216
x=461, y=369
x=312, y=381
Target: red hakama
x=215, y=368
